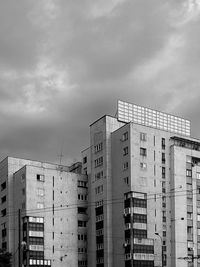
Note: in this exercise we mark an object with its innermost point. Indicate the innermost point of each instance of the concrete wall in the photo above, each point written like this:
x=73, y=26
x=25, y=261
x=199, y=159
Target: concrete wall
x=119, y=187
x=62, y=234
x=101, y=131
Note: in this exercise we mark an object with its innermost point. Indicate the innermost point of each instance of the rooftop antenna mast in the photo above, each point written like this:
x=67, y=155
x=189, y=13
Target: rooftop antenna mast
x=60, y=156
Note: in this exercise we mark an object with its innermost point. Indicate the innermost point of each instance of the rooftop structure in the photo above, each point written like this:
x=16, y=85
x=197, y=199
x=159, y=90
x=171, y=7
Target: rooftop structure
x=145, y=116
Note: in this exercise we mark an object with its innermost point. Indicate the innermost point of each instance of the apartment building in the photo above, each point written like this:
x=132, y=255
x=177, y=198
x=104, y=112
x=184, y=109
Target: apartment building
x=144, y=190
x=43, y=213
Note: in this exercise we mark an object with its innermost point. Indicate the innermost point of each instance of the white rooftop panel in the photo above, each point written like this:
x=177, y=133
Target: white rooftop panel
x=145, y=116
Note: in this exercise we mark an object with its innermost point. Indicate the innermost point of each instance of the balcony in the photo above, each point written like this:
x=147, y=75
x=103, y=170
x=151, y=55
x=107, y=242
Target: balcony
x=35, y=262
x=144, y=257
x=36, y=247
x=142, y=226
x=36, y=233
x=139, y=210
x=143, y=241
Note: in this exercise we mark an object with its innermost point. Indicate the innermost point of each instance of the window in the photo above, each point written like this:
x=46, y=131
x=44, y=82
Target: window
x=3, y=212
x=198, y=175
x=137, y=233
x=143, y=166
x=40, y=205
x=36, y=219
x=85, y=170
x=36, y=240
x=189, y=173
x=4, y=232
x=82, y=184
x=3, y=186
x=99, y=203
x=143, y=137
x=164, y=233
x=3, y=199
x=125, y=151
x=40, y=192
x=23, y=177
x=98, y=147
x=125, y=165
x=139, y=218
x=126, y=180
x=98, y=175
x=99, y=218
x=82, y=223
x=163, y=143
x=125, y=136
x=163, y=158
x=40, y=177
x=23, y=191
x=141, y=203
x=163, y=172
x=99, y=189
x=147, y=249
x=190, y=230
x=84, y=160
x=4, y=246
x=143, y=152
x=82, y=210
x=37, y=227
x=98, y=162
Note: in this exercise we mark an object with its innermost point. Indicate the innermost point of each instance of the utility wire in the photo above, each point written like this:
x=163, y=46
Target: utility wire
x=109, y=201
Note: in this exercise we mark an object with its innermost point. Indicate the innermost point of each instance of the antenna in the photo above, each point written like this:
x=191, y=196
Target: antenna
x=60, y=157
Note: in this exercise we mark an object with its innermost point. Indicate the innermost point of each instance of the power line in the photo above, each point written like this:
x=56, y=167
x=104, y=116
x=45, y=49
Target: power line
x=109, y=201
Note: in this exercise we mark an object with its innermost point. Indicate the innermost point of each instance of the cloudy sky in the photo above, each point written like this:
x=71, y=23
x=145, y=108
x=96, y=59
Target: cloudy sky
x=64, y=63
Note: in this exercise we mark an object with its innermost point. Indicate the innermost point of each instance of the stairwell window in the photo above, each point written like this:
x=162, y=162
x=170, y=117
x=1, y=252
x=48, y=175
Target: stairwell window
x=125, y=136
x=99, y=190
x=98, y=147
x=98, y=162
x=84, y=160
x=3, y=186
x=125, y=166
x=126, y=180
x=125, y=151
x=3, y=212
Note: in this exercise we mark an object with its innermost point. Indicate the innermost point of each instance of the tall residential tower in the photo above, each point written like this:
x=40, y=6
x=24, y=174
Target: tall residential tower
x=144, y=190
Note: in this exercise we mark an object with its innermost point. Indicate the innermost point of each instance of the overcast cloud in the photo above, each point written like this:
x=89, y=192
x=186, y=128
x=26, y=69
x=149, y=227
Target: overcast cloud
x=64, y=63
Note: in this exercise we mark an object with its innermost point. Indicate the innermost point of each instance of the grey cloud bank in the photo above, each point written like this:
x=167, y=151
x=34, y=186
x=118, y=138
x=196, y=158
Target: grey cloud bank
x=63, y=64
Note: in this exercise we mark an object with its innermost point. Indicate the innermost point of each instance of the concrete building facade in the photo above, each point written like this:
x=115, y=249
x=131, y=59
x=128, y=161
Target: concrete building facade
x=144, y=175
x=43, y=218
